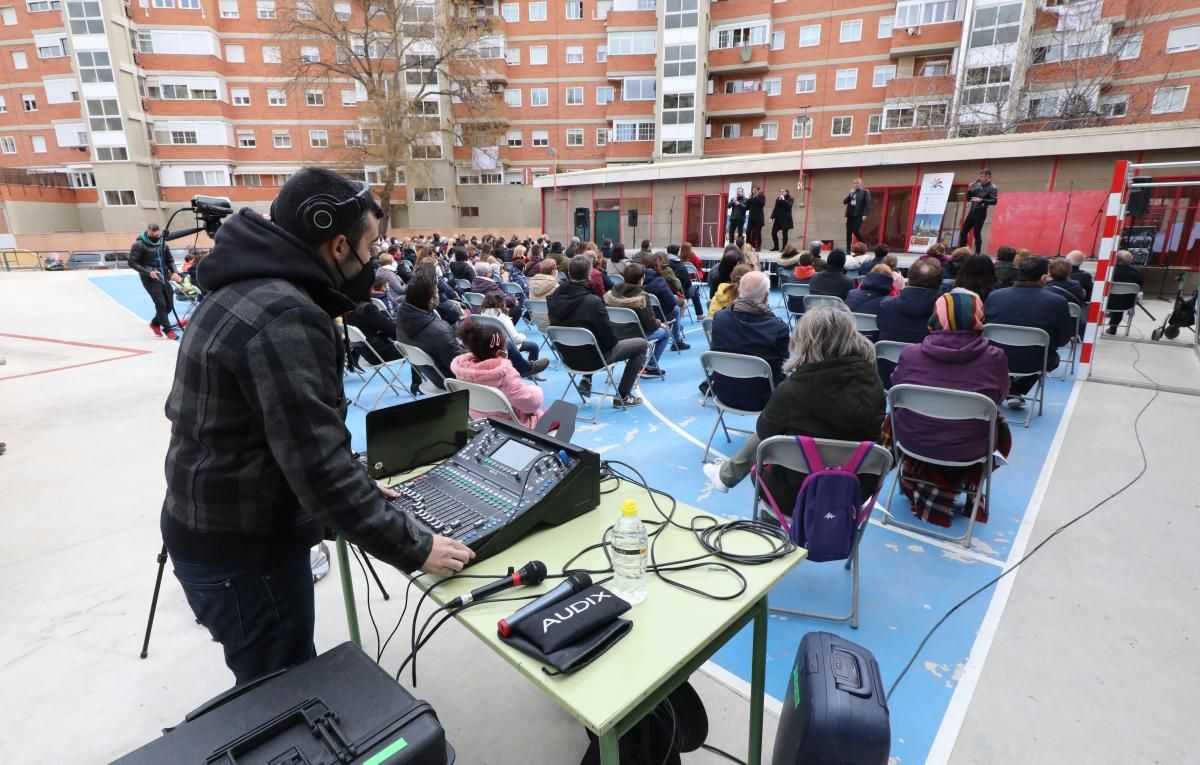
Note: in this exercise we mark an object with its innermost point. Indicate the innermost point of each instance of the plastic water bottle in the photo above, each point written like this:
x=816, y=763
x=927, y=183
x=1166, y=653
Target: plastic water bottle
x=629, y=546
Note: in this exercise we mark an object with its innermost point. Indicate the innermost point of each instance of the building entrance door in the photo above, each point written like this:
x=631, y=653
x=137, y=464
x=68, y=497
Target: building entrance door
x=702, y=224
x=608, y=220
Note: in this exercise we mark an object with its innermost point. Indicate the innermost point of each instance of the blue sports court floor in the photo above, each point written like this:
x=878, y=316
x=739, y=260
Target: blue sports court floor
x=908, y=581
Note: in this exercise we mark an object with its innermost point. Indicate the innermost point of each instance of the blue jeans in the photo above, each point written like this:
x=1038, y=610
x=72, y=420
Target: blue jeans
x=262, y=618
x=677, y=327
x=694, y=294
x=660, y=338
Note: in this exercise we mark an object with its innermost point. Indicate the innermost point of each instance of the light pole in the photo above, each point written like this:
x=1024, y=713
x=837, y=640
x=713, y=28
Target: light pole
x=804, y=121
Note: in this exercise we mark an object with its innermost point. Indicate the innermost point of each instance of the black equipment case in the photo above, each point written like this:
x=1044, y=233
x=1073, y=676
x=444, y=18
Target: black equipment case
x=835, y=712
x=341, y=708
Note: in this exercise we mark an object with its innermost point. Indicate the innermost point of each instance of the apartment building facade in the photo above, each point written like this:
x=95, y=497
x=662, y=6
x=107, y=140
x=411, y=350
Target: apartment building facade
x=140, y=105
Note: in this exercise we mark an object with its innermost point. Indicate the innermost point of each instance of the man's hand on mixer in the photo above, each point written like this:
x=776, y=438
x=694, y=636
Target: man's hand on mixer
x=386, y=490
x=448, y=556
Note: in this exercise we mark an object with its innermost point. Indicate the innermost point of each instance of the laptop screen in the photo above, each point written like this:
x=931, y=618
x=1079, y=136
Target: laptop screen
x=400, y=438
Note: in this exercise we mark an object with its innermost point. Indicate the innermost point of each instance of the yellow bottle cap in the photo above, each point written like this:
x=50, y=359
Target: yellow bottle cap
x=629, y=507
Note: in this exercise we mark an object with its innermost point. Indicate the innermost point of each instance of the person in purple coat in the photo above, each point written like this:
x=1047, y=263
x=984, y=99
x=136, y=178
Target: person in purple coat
x=954, y=355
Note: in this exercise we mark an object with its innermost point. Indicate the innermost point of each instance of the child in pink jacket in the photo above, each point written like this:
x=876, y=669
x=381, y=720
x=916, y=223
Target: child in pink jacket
x=488, y=364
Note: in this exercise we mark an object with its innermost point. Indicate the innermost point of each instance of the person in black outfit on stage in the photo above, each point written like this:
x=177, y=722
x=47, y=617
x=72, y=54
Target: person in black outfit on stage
x=737, y=215
x=781, y=219
x=156, y=267
x=980, y=196
x=755, y=207
x=858, y=206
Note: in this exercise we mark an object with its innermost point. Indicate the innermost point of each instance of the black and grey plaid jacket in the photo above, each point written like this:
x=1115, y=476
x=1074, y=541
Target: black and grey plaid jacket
x=260, y=461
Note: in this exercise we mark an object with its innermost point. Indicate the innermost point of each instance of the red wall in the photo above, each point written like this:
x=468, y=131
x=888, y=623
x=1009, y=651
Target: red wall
x=1034, y=220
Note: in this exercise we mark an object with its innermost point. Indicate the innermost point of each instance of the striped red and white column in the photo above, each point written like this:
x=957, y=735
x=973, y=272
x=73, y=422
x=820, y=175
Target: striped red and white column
x=1114, y=221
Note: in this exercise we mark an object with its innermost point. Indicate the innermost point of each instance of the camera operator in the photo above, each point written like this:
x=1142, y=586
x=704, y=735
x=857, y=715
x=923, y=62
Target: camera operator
x=156, y=266
x=259, y=461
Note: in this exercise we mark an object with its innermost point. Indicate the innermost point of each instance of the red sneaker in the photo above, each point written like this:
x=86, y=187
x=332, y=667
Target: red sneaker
x=156, y=330
x=171, y=335
x=183, y=323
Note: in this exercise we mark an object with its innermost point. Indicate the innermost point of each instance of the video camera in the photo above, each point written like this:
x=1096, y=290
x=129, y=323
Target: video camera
x=211, y=211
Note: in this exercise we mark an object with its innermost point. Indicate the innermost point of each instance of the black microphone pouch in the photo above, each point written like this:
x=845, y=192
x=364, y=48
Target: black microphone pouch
x=573, y=632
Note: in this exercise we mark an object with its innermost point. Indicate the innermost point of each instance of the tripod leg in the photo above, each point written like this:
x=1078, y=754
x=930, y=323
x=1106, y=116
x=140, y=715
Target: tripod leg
x=374, y=574
x=162, y=563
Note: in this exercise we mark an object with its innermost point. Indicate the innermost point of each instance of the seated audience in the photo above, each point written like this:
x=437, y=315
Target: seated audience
x=574, y=305
x=1060, y=282
x=750, y=255
x=788, y=259
x=1126, y=272
x=905, y=318
x=938, y=250
x=954, y=355
x=616, y=260
x=656, y=284
x=515, y=272
x=881, y=252
x=460, y=267
x=1078, y=274
x=630, y=294
x=418, y=324
x=803, y=273
x=953, y=266
x=898, y=280
x=485, y=285
x=379, y=330
x=643, y=253
x=1026, y=304
x=724, y=270
x=379, y=291
x=1006, y=270
x=750, y=328
x=688, y=255
x=486, y=363
x=875, y=287
x=687, y=287
x=977, y=274
x=493, y=305
x=533, y=267
x=833, y=280
x=831, y=391
x=727, y=293
x=388, y=271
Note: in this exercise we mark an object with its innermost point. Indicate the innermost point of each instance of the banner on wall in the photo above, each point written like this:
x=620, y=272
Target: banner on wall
x=745, y=186
x=931, y=204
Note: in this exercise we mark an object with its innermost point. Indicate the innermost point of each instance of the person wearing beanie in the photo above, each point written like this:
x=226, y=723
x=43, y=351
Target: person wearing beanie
x=833, y=280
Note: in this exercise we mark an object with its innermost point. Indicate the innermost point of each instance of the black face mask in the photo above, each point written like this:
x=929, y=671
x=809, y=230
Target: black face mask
x=358, y=287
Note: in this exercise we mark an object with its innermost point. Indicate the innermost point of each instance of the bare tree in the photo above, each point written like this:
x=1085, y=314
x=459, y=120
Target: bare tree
x=421, y=72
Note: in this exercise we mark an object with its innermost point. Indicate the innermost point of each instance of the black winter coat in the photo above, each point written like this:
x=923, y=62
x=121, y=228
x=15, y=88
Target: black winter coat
x=781, y=214
x=830, y=282
x=870, y=295
x=905, y=318
x=427, y=331
x=1029, y=305
x=575, y=305
x=144, y=257
x=754, y=210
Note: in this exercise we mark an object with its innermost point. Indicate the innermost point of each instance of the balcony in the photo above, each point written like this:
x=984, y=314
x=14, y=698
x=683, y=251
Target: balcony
x=750, y=104
x=726, y=10
x=642, y=110
x=919, y=88
x=926, y=40
x=744, y=58
x=462, y=154
x=620, y=67
x=723, y=147
x=627, y=20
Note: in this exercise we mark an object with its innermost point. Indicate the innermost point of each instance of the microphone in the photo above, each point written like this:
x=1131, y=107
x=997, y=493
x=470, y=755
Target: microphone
x=575, y=583
x=533, y=572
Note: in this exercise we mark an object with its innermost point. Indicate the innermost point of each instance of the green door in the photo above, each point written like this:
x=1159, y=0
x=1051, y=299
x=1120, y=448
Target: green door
x=608, y=225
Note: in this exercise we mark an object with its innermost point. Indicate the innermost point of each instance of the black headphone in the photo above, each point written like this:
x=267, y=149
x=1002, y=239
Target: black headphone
x=321, y=216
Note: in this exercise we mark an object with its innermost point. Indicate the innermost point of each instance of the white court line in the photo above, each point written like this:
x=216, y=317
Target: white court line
x=665, y=421
x=956, y=712
x=941, y=544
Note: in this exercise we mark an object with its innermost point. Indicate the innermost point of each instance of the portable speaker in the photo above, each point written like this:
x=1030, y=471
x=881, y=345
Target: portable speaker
x=633, y=215
x=1138, y=203
x=581, y=217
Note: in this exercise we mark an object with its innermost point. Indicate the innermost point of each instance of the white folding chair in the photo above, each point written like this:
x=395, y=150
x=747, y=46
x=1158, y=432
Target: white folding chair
x=866, y=322
x=692, y=272
x=942, y=404
x=539, y=311
x=419, y=360
x=813, y=301
x=738, y=367
x=616, y=279
x=583, y=341
x=484, y=398
x=462, y=285
x=786, y=453
x=1076, y=312
x=1015, y=336
x=382, y=306
x=791, y=290
x=657, y=308
x=706, y=324
x=475, y=300
x=491, y=321
x=888, y=351
x=384, y=370
x=628, y=317
x=514, y=289
x=1122, y=288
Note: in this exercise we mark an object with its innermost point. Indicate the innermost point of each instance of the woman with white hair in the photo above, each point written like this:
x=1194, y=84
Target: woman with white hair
x=832, y=391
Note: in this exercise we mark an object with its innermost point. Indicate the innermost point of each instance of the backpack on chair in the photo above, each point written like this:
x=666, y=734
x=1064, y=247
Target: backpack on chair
x=828, y=508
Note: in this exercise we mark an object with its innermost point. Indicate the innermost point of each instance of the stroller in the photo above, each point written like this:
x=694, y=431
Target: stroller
x=1183, y=314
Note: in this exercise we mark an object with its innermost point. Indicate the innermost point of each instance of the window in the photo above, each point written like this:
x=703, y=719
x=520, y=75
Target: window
x=1181, y=39
x=512, y=56
x=802, y=127
x=429, y=194
x=229, y=9
x=111, y=154
x=539, y=97
x=638, y=89
x=851, y=31
x=510, y=12
x=601, y=54
x=282, y=139
x=86, y=18
x=318, y=139
x=239, y=96
x=183, y=137
x=924, y=115
x=103, y=114
x=679, y=109
x=537, y=11
x=425, y=151
x=120, y=197
x=806, y=83
x=512, y=96
x=632, y=43
x=276, y=97
x=883, y=75
x=1168, y=100
x=1114, y=106
x=574, y=10
x=1048, y=50
x=266, y=9
x=733, y=130
x=841, y=126
x=246, y=139
x=675, y=148
x=82, y=180
x=874, y=123
x=986, y=85
x=934, y=68
x=885, y=26
x=19, y=60
x=189, y=5
x=602, y=135
x=515, y=139
x=1128, y=47
x=770, y=131
x=29, y=102
x=604, y=94
x=271, y=54
x=771, y=86
x=310, y=54
x=899, y=117
x=810, y=35
x=679, y=60
x=8, y=15
x=574, y=54
x=314, y=97
x=681, y=14
x=8, y=145
x=736, y=37
x=996, y=25
x=39, y=144
x=50, y=46
x=575, y=137
x=235, y=54
x=538, y=55
x=419, y=69
x=742, y=86
x=847, y=79
x=3, y=105
x=469, y=211
x=632, y=131
x=41, y=6
x=541, y=139
x=204, y=178
x=914, y=13
x=777, y=40
x=352, y=139
x=575, y=96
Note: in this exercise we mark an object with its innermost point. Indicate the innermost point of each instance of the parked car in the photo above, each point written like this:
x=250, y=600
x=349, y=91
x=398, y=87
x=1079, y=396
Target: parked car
x=97, y=260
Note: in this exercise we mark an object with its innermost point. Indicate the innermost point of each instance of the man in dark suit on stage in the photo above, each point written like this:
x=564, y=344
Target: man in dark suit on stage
x=858, y=206
x=980, y=196
x=755, y=218
x=781, y=218
x=737, y=215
